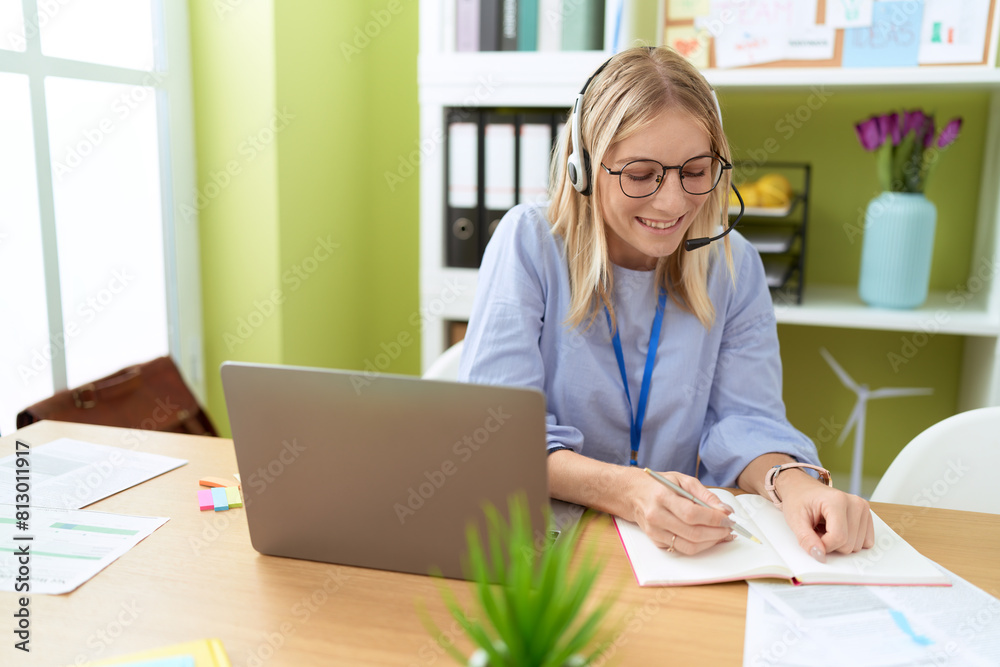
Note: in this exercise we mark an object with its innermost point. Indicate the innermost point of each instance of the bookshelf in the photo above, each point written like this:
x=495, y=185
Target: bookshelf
x=551, y=79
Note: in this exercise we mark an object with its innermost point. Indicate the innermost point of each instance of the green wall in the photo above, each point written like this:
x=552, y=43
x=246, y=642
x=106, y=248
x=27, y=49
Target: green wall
x=325, y=214
x=308, y=257
x=234, y=97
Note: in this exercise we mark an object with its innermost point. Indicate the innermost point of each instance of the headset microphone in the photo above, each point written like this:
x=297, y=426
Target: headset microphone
x=694, y=244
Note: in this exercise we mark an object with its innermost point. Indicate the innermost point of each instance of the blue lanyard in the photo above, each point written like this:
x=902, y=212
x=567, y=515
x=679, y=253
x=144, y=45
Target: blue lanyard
x=635, y=431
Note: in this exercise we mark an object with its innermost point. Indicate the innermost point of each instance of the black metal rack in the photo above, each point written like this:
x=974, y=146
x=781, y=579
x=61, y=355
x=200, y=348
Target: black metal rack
x=779, y=233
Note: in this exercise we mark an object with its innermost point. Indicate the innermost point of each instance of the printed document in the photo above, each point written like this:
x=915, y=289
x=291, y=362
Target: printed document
x=71, y=474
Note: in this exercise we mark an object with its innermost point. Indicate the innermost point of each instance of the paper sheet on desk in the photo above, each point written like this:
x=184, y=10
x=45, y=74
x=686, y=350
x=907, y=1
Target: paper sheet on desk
x=884, y=626
x=64, y=548
x=71, y=474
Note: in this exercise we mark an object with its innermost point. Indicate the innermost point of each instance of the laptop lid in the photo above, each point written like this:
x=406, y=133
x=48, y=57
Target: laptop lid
x=379, y=471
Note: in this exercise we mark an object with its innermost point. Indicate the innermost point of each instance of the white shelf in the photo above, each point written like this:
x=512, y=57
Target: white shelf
x=840, y=306
x=505, y=78
x=553, y=78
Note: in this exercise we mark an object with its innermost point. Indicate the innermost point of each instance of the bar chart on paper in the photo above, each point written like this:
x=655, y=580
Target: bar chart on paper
x=56, y=551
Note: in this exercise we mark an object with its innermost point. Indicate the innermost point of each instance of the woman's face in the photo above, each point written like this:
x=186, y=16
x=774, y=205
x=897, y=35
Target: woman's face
x=640, y=231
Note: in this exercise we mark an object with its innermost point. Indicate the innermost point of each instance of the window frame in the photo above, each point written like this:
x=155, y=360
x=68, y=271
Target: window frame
x=177, y=169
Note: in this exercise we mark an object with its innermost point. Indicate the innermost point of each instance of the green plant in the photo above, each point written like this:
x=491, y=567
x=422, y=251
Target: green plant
x=533, y=613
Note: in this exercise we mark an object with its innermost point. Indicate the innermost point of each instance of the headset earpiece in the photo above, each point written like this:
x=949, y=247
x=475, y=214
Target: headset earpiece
x=578, y=163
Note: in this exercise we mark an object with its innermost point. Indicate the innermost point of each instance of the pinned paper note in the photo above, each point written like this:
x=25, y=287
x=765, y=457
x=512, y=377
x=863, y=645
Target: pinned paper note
x=893, y=39
x=687, y=9
x=690, y=42
x=848, y=13
x=812, y=43
x=766, y=31
x=739, y=48
x=953, y=32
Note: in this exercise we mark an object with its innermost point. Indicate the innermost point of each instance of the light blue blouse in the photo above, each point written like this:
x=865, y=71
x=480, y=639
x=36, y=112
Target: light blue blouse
x=715, y=394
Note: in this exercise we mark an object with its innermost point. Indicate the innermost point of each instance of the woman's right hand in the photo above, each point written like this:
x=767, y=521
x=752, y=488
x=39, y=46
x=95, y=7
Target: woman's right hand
x=673, y=521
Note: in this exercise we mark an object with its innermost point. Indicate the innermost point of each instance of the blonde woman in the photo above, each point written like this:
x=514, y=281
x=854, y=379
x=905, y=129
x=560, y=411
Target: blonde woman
x=650, y=354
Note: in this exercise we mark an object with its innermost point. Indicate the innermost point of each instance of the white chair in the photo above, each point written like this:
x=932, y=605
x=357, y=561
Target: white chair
x=954, y=464
x=445, y=367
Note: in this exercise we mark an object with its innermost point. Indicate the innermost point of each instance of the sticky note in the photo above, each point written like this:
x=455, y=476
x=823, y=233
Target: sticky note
x=233, y=497
x=205, y=501
x=213, y=481
x=219, y=497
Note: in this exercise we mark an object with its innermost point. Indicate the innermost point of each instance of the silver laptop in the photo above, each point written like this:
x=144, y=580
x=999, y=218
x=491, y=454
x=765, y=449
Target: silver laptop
x=379, y=471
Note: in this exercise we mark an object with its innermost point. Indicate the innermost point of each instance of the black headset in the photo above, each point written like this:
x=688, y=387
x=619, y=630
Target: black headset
x=578, y=162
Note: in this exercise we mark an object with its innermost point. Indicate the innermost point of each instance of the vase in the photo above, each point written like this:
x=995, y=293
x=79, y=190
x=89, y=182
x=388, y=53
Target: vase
x=482, y=659
x=897, y=250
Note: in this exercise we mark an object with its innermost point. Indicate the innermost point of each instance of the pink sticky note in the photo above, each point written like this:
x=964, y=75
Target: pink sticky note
x=205, y=501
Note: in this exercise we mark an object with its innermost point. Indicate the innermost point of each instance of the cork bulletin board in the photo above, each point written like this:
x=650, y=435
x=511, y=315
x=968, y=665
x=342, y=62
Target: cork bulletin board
x=862, y=33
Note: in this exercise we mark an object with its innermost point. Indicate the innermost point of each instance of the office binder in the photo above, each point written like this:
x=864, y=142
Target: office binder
x=583, y=28
x=462, y=190
x=499, y=158
x=508, y=24
x=489, y=25
x=550, y=20
x=466, y=25
x=534, y=149
x=527, y=25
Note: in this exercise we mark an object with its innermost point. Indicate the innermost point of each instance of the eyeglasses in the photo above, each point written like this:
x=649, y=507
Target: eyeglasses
x=698, y=176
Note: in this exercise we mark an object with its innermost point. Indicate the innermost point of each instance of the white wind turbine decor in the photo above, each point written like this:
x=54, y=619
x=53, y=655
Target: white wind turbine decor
x=857, y=418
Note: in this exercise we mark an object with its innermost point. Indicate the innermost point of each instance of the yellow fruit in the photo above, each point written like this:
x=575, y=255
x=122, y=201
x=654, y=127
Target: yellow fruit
x=751, y=195
x=774, y=190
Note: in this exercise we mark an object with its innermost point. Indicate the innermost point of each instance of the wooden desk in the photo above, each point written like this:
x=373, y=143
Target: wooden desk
x=198, y=577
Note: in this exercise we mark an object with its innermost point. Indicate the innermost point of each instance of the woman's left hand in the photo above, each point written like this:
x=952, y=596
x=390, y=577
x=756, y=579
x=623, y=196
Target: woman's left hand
x=825, y=520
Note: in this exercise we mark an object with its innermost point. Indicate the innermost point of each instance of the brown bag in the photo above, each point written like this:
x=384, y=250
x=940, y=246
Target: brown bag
x=150, y=396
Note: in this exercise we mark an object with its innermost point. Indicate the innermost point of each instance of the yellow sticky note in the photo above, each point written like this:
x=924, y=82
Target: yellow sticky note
x=690, y=43
x=233, y=497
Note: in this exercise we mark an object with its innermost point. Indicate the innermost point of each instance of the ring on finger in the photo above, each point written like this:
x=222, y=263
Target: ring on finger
x=673, y=539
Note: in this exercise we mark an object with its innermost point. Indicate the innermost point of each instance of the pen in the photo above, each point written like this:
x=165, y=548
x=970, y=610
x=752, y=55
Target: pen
x=678, y=490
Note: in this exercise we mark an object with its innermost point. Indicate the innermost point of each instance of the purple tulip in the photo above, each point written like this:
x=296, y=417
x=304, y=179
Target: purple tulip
x=914, y=120
x=888, y=126
x=869, y=134
x=928, y=131
x=950, y=132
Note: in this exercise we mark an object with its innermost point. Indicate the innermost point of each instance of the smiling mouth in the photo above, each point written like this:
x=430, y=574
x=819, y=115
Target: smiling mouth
x=658, y=224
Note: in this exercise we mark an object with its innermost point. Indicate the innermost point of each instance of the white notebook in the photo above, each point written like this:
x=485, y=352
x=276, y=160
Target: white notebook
x=890, y=562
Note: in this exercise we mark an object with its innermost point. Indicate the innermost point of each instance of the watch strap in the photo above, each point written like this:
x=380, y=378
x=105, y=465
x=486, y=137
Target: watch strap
x=772, y=475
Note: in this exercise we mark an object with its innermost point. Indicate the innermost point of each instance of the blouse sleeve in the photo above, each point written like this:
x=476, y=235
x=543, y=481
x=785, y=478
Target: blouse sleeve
x=746, y=413
x=503, y=340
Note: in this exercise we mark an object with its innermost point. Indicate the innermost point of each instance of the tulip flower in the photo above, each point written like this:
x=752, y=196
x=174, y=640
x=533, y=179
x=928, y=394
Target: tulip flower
x=949, y=133
x=888, y=127
x=929, y=132
x=868, y=134
x=906, y=146
x=914, y=120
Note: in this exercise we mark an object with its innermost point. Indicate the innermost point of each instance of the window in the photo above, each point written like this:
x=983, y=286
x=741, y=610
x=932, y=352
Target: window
x=96, y=153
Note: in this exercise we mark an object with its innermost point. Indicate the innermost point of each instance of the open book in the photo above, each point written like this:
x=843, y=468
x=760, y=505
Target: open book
x=890, y=562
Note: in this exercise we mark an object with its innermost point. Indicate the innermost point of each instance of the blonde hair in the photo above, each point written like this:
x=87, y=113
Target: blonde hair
x=624, y=98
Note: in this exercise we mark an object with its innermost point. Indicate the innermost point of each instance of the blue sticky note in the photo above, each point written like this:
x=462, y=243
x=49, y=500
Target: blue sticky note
x=892, y=40
x=219, y=497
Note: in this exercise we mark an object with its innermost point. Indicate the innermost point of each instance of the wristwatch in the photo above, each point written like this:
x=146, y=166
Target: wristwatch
x=772, y=474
